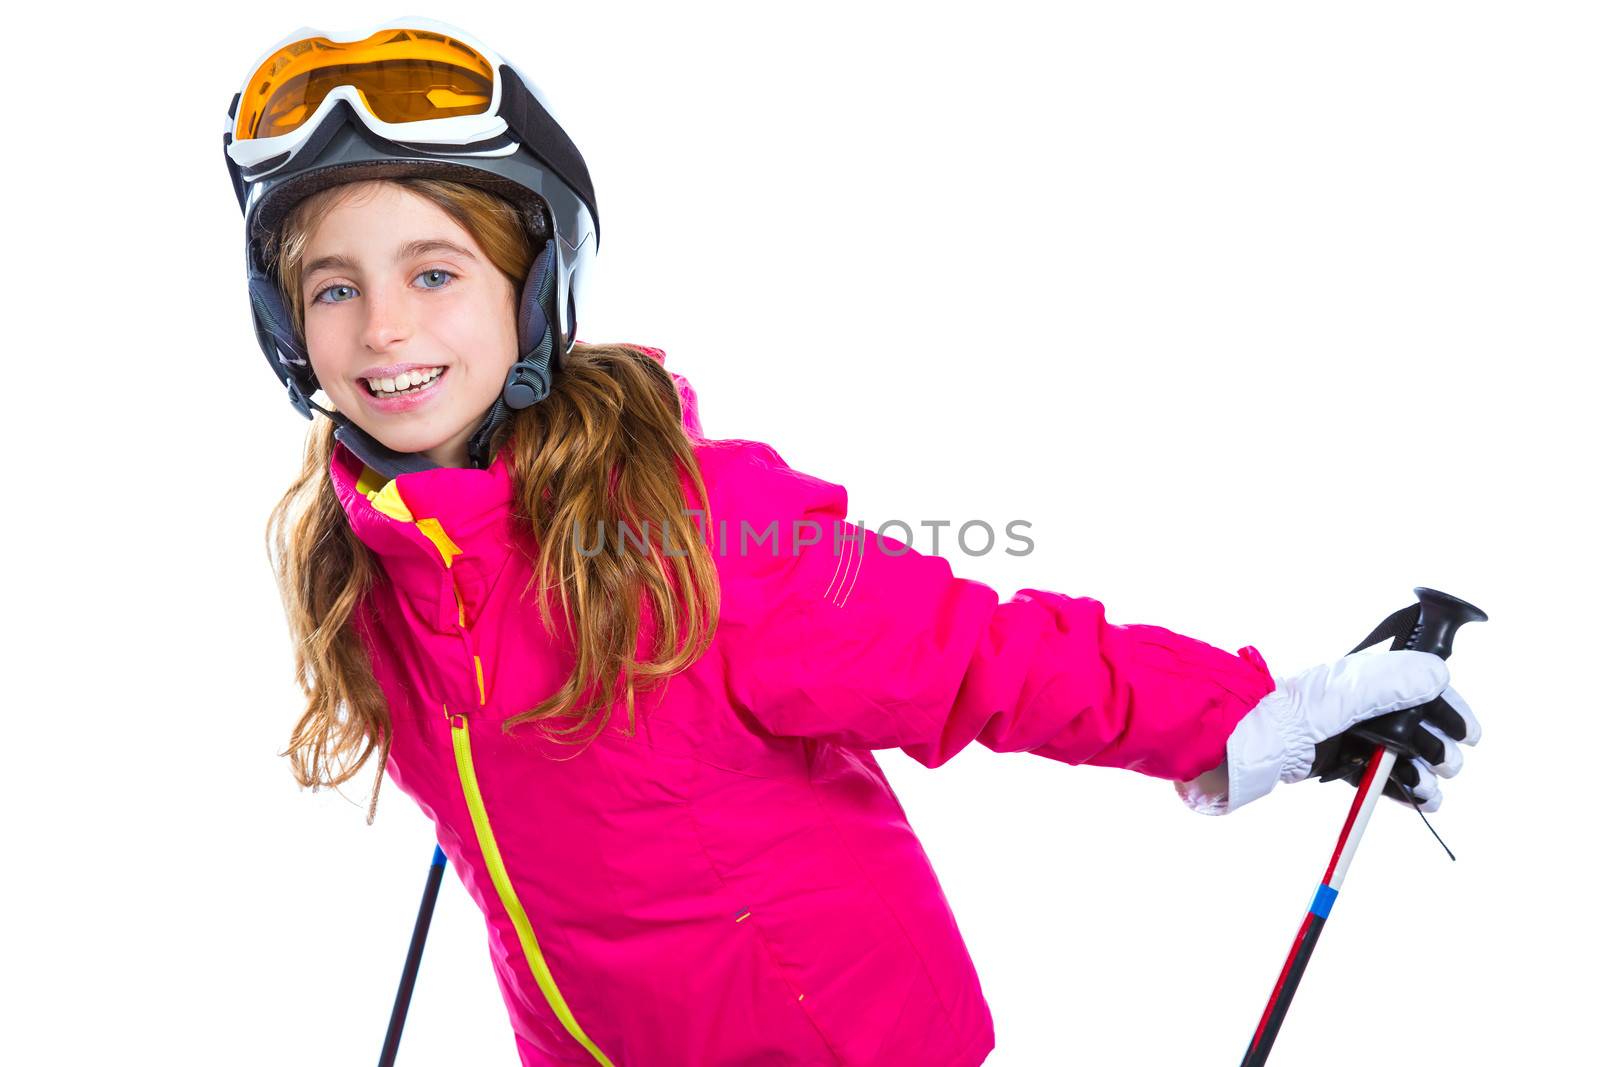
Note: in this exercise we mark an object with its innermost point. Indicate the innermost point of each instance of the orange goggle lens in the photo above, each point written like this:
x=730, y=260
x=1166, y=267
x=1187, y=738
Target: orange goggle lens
x=402, y=76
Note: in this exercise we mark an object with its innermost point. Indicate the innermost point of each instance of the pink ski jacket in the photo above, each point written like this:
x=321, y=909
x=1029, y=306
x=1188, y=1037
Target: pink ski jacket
x=737, y=884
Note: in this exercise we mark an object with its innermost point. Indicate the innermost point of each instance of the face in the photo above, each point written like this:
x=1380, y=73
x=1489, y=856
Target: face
x=409, y=327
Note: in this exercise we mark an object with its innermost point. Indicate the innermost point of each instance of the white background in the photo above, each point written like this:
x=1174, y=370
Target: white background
x=1261, y=313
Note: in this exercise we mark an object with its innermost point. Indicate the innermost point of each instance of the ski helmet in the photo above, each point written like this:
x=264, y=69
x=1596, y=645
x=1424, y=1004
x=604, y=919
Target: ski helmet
x=410, y=98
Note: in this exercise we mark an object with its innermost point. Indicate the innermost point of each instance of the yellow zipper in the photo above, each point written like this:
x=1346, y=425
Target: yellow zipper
x=508, y=895
x=386, y=498
x=462, y=742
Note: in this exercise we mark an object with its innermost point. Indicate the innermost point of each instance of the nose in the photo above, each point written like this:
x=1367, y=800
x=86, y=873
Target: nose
x=388, y=320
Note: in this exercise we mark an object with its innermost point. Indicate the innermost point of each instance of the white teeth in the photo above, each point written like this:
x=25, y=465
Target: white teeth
x=399, y=384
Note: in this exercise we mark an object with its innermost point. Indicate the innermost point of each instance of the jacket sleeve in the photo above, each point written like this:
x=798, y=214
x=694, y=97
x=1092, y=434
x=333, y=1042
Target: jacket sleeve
x=830, y=630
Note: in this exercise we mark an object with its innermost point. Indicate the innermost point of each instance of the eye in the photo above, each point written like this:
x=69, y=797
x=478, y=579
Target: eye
x=330, y=289
x=439, y=283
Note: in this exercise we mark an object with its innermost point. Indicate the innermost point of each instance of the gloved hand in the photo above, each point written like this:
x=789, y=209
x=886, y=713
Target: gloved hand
x=1301, y=728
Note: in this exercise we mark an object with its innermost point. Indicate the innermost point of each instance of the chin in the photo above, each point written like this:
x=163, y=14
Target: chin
x=408, y=439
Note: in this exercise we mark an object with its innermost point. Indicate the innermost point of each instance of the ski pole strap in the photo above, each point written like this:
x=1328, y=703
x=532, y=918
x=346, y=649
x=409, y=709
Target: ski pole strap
x=1401, y=626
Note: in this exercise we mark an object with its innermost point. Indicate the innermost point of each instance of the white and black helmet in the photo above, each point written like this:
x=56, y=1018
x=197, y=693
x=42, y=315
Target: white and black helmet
x=410, y=98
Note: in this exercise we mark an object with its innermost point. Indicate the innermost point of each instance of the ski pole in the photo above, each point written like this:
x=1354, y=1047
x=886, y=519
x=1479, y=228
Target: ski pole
x=1428, y=626
x=408, y=975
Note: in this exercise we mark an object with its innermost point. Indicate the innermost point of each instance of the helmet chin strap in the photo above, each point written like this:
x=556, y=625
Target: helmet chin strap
x=386, y=461
x=527, y=383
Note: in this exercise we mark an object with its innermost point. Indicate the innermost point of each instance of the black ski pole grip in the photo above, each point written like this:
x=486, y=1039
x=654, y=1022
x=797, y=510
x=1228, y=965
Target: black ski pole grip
x=1438, y=617
x=1441, y=616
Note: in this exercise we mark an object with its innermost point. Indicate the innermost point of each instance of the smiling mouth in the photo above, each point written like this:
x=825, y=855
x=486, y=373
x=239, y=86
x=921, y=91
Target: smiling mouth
x=416, y=381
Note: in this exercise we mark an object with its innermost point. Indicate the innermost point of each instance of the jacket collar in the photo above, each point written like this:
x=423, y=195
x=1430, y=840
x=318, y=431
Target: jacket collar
x=446, y=532
x=439, y=533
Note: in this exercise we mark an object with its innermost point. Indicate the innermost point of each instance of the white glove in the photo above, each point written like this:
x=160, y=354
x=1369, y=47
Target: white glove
x=1276, y=741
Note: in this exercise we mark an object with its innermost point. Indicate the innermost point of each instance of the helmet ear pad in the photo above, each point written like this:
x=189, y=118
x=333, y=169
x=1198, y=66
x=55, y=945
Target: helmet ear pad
x=267, y=300
x=275, y=326
x=528, y=381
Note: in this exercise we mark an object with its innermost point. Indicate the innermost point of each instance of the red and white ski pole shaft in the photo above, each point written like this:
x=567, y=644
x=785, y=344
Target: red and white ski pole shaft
x=1428, y=626
x=1355, y=824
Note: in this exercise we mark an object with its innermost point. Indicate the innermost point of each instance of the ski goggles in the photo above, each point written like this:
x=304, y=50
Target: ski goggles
x=420, y=81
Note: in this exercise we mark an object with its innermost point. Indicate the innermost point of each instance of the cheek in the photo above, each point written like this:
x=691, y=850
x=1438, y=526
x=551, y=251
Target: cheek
x=485, y=335
x=323, y=350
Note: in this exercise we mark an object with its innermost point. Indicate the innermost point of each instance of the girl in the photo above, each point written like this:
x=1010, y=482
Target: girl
x=635, y=675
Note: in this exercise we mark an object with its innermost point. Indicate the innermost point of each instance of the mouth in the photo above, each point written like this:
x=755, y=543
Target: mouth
x=408, y=383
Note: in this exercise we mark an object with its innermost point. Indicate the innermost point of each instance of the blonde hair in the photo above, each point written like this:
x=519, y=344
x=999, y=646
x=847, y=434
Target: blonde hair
x=606, y=446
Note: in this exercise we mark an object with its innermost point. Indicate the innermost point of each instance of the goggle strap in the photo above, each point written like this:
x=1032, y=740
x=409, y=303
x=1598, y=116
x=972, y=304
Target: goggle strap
x=543, y=136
